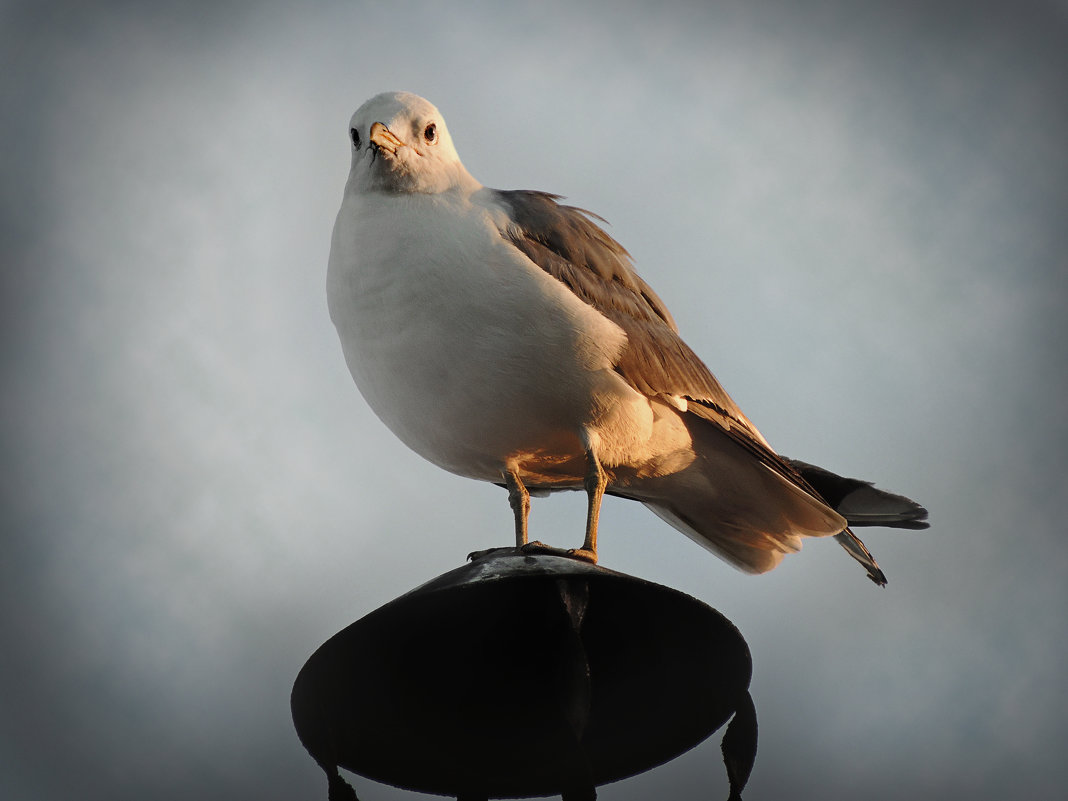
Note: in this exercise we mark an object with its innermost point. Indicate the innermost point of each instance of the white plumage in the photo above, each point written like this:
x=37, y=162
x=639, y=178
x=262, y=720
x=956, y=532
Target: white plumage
x=505, y=337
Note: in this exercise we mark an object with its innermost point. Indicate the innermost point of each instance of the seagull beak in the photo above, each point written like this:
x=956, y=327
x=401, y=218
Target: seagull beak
x=383, y=138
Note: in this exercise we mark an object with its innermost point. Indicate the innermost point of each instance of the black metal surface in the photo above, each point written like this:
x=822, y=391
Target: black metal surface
x=520, y=676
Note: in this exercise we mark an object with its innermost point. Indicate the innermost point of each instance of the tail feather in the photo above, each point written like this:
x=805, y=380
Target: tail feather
x=856, y=548
x=757, y=556
x=861, y=503
x=746, y=512
x=751, y=507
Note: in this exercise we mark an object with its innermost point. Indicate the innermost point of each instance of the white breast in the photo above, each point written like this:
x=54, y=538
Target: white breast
x=467, y=351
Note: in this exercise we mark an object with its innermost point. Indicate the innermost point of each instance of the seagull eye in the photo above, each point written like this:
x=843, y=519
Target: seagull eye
x=430, y=133
x=354, y=135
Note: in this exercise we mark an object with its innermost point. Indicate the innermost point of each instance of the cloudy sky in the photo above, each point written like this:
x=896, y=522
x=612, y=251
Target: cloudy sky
x=856, y=212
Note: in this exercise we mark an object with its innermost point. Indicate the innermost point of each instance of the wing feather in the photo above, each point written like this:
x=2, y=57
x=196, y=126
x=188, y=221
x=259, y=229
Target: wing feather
x=567, y=243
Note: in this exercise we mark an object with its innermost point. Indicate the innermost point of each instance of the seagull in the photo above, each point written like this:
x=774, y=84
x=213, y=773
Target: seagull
x=506, y=337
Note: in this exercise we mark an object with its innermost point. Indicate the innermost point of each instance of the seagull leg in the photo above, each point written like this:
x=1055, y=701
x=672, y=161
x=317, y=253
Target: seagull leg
x=519, y=500
x=595, y=484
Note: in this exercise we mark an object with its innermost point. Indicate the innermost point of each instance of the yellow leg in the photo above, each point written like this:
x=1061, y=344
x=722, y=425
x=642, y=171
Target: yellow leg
x=595, y=484
x=519, y=500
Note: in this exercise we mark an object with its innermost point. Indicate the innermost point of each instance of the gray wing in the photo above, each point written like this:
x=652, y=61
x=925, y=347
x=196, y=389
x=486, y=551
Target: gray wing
x=567, y=243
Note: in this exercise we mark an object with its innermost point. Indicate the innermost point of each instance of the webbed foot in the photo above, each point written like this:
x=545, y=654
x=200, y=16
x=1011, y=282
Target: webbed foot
x=474, y=556
x=582, y=554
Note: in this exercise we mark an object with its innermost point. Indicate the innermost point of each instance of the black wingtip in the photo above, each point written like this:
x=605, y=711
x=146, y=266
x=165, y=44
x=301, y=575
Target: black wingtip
x=877, y=576
x=856, y=548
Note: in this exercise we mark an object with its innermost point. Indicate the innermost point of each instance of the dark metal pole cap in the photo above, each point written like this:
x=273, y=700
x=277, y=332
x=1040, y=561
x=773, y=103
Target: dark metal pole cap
x=525, y=675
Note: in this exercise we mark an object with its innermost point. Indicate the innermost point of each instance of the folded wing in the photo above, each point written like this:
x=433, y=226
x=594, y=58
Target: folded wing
x=739, y=498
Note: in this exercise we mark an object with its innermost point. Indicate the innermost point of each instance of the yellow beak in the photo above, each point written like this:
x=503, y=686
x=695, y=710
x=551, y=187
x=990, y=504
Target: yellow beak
x=383, y=138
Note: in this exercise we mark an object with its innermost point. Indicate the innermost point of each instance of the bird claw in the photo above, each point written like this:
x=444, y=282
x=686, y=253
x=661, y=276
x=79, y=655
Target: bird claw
x=581, y=554
x=538, y=549
x=475, y=556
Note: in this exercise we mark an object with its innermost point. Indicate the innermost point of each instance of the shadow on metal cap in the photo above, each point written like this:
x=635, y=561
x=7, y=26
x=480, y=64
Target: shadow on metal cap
x=518, y=676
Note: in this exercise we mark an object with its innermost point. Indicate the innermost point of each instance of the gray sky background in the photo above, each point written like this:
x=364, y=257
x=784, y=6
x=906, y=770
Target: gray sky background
x=856, y=212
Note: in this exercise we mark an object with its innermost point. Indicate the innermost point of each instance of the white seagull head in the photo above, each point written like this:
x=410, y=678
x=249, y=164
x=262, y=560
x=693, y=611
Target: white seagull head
x=400, y=144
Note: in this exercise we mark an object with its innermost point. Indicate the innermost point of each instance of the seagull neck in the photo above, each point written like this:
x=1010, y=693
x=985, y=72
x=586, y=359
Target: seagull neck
x=464, y=186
